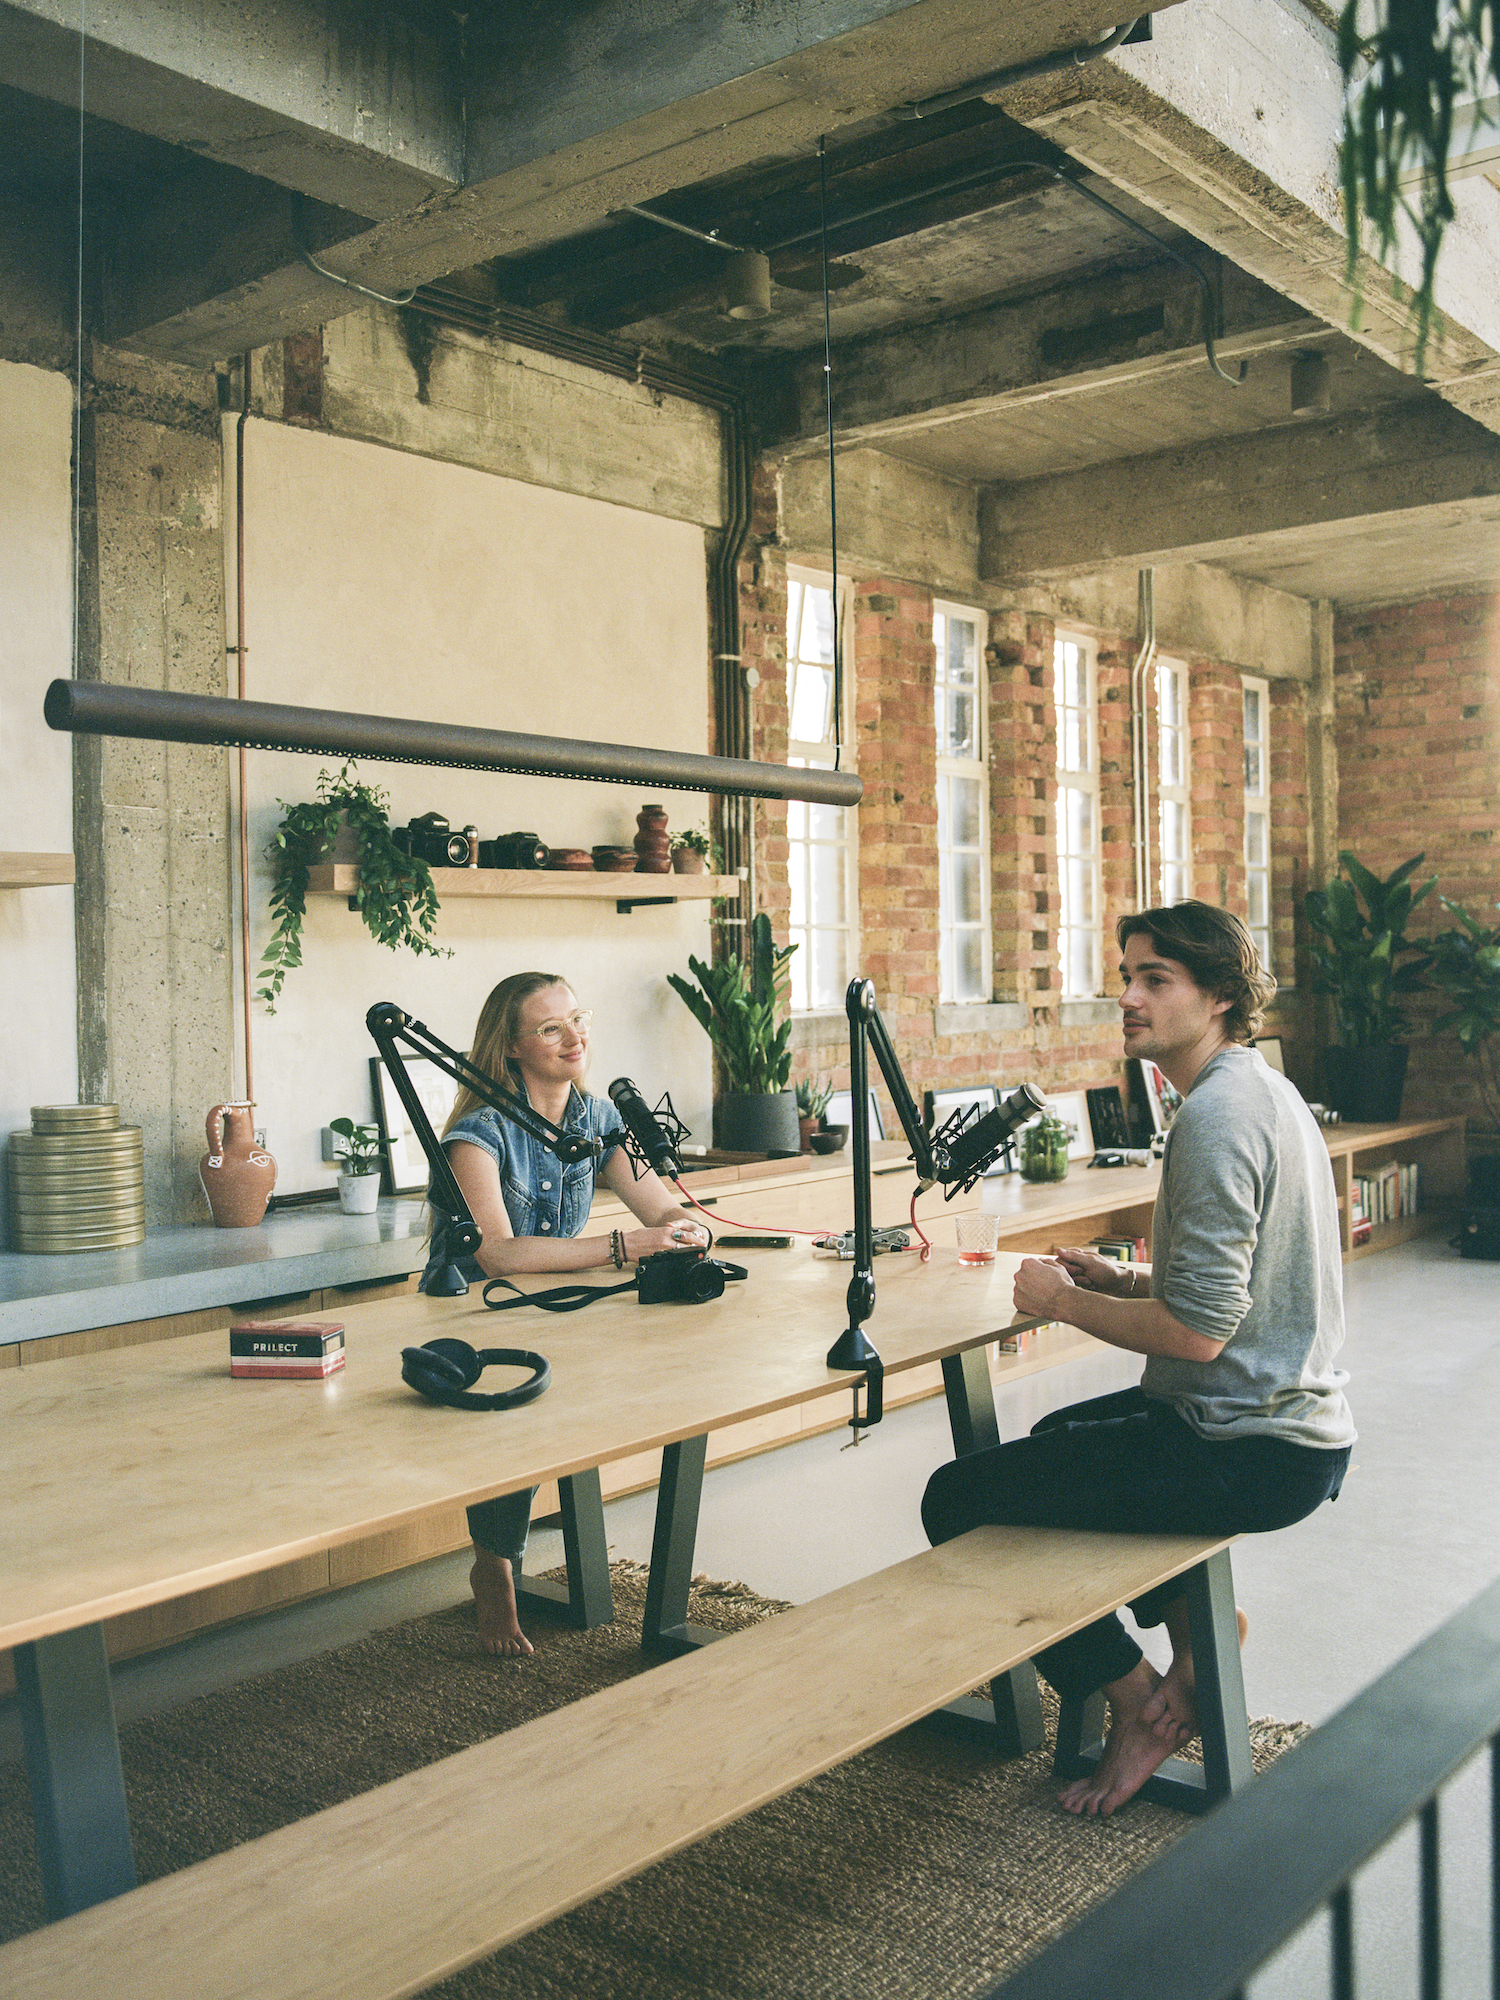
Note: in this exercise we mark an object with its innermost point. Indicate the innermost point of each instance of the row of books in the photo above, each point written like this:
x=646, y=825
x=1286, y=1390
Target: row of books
x=1383, y=1196
x=286, y=1350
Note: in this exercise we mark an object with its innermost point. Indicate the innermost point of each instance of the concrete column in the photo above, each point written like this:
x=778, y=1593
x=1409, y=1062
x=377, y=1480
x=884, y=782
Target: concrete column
x=155, y=958
x=1322, y=751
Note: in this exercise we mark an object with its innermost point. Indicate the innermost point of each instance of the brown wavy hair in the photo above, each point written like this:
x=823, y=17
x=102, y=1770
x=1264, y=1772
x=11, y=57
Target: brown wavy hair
x=495, y=1034
x=1217, y=951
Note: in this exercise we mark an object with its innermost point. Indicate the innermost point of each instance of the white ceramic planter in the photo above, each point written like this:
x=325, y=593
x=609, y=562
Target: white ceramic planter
x=358, y=1193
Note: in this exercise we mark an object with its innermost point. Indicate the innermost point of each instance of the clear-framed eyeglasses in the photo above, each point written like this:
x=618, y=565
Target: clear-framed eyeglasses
x=552, y=1032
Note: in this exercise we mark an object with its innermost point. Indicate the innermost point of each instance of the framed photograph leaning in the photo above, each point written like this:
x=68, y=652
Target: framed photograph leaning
x=405, y=1162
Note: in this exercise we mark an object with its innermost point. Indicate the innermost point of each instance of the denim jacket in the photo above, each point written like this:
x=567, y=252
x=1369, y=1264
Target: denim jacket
x=542, y=1196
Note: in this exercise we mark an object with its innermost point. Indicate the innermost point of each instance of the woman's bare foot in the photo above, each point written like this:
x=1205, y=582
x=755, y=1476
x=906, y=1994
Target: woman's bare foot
x=1133, y=1749
x=495, y=1606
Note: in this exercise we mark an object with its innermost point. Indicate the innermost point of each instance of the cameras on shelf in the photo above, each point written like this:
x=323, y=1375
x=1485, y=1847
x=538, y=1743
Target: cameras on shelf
x=431, y=839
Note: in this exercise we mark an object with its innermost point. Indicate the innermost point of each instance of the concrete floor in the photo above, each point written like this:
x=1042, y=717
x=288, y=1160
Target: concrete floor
x=1332, y=1602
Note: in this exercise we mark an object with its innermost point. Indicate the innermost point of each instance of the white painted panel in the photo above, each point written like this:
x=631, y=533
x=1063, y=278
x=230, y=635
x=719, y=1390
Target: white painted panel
x=384, y=582
x=36, y=781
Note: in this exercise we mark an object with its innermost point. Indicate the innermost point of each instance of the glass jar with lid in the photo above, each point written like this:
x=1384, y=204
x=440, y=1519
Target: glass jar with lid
x=1044, y=1149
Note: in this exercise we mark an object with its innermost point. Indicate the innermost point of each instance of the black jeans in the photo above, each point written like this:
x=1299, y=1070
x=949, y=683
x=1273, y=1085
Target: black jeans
x=1129, y=1464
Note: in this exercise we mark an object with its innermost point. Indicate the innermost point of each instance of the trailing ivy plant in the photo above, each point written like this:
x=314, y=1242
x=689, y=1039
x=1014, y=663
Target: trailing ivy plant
x=1421, y=64
x=736, y=1006
x=1465, y=969
x=1357, y=953
x=395, y=896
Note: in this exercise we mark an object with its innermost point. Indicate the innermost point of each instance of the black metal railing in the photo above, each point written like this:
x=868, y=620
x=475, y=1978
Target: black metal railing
x=1200, y=1921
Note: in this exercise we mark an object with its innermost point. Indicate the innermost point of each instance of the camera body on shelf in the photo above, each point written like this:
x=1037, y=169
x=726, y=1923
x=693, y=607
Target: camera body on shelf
x=514, y=850
x=429, y=838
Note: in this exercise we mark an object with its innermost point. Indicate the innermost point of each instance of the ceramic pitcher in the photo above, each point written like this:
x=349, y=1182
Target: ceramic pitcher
x=237, y=1176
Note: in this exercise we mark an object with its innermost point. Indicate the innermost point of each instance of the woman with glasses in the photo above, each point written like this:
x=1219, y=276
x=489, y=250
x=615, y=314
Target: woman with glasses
x=533, y=1039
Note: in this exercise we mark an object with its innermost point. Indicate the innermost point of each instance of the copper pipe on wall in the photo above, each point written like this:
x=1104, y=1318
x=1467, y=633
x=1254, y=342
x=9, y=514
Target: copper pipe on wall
x=239, y=651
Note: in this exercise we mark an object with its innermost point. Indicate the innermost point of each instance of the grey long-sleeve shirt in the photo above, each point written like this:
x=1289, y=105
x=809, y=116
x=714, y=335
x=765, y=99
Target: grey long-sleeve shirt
x=1246, y=1249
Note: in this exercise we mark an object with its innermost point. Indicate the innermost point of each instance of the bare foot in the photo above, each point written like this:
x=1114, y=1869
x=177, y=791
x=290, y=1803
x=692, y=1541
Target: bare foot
x=1173, y=1707
x=1133, y=1749
x=495, y=1606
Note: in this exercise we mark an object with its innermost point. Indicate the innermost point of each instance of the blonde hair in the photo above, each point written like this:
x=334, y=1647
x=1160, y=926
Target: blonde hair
x=494, y=1036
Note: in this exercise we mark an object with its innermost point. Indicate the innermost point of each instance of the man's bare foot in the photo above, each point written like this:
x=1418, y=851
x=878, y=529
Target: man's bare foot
x=1132, y=1751
x=1174, y=1705
x=495, y=1606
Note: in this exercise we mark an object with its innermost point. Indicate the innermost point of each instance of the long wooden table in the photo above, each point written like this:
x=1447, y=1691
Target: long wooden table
x=149, y=1473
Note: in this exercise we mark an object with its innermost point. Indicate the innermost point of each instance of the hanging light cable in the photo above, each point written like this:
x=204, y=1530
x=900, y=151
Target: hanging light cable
x=833, y=501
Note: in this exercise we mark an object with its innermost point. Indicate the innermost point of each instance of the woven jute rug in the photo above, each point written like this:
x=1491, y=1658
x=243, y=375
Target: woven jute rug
x=926, y=1867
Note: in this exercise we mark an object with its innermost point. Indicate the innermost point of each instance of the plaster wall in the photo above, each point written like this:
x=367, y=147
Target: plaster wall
x=383, y=580
x=36, y=791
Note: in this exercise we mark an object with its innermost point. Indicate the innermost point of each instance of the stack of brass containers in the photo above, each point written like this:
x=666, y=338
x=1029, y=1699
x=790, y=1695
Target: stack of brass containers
x=77, y=1180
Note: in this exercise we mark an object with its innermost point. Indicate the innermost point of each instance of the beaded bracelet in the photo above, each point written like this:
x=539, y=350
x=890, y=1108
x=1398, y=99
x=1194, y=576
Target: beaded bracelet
x=617, y=1248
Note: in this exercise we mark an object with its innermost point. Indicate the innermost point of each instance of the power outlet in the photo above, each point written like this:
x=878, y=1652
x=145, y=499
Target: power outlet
x=327, y=1140
x=260, y=1138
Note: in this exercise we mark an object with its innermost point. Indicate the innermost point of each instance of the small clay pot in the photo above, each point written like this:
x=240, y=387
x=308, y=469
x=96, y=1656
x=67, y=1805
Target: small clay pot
x=237, y=1176
x=688, y=861
x=832, y=1139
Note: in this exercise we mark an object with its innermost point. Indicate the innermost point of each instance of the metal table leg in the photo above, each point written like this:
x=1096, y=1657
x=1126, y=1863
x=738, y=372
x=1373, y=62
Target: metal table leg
x=73, y=1761
x=665, y=1628
x=1220, y=1690
x=587, y=1595
x=1011, y=1720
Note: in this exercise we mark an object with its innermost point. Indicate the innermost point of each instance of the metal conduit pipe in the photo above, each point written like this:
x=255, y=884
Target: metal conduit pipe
x=1140, y=777
x=1002, y=79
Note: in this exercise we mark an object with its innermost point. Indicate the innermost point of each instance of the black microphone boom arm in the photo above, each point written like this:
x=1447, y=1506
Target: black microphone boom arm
x=388, y=1026
x=957, y=1155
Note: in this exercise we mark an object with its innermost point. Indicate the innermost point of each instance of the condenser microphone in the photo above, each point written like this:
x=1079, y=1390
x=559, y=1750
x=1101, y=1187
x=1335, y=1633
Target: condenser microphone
x=970, y=1151
x=653, y=1145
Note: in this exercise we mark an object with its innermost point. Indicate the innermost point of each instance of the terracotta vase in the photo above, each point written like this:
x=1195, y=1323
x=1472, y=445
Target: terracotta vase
x=237, y=1176
x=653, y=844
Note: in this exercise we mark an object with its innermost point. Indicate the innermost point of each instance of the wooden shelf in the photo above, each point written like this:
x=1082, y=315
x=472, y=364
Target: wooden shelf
x=35, y=871
x=340, y=879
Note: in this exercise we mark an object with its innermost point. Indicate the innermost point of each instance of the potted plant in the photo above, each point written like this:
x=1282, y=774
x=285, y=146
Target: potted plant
x=812, y=1102
x=1363, y=958
x=736, y=1004
x=358, y=1146
x=690, y=851
x=1465, y=969
x=395, y=896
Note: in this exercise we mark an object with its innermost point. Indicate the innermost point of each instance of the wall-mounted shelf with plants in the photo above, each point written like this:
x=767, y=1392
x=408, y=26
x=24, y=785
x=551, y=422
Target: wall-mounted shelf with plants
x=35, y=871
x=342, y=879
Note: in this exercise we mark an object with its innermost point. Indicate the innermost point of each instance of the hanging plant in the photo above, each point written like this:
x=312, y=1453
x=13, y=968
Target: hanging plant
x=395, y=897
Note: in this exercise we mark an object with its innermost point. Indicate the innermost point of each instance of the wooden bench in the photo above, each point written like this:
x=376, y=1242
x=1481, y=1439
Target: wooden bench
x=403, y=1886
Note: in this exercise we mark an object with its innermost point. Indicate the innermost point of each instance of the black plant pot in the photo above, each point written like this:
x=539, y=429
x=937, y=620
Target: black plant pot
x=1364, y=1085
x=759, y=1122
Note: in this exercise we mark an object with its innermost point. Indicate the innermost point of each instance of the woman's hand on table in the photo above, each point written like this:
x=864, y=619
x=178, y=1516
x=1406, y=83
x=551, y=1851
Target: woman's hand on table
x=680, y=1235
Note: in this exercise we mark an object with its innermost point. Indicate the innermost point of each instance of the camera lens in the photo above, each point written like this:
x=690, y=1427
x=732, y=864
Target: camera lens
x=457, y=850
x=703, y=1280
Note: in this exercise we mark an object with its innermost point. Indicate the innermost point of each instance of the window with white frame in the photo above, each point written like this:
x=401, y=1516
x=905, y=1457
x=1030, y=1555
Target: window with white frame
x=1175, y=806
x=1258, y=814
x=821, y=863
x=1077, y=816
x=963, y=804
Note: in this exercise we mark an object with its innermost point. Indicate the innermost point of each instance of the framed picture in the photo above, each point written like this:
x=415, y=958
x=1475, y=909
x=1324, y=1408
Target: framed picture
x=1072, y=1106
x=1153, y=1101
x=938, y=1106
x=1107, y=1116
x=839, y=1112
x=1270, y=1048
x=406, y=1167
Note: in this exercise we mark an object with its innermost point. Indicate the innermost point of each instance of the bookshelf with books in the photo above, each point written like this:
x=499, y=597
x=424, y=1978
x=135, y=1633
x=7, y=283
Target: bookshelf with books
x=1396, y=1181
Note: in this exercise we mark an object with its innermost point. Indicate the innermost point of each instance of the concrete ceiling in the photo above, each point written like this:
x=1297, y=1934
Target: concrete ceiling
x=990, y=322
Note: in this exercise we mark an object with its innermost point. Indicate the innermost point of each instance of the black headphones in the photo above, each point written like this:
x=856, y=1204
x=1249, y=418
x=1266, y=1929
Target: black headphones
x=445, y=1371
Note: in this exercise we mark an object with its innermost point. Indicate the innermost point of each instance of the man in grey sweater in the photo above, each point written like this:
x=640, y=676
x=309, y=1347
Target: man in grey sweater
x=1240, y=1423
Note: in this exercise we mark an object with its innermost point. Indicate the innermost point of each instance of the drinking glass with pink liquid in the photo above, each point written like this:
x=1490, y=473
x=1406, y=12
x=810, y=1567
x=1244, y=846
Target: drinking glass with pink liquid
x=977, y=1236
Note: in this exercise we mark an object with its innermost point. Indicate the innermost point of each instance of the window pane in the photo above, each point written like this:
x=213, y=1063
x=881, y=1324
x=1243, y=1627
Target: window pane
x=964, y=812
x=1078, y=882
x=961, y=651
x=1075, y=677
x=1253, y=730
x=1081, y=967
x=827, y=968
x=812, y=704
x=793, y=617
x=1080, y=821
x=1253, y=768
x=969, y=982
x=825, y=822
x=801, y=971
x=1256, y=885
x=1171, y=757
x=796, y=819
x=968, y=906
x=827, y=885
x=817, y=626
x=1255, y=839
x=958, y=740
x=1172, y=818
x=797, y=883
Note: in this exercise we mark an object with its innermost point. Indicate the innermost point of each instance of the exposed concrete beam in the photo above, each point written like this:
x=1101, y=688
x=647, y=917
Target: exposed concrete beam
x=1211, y=502
x=569, y=120
x=358, y=106
x=1252, y=171
x=1139, y=325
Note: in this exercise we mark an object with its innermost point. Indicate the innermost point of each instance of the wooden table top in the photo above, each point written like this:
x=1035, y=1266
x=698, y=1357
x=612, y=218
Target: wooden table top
x=143, y=1474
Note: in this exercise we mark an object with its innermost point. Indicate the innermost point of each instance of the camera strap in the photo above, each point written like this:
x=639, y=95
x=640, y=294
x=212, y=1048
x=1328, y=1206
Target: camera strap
x=569, y=1298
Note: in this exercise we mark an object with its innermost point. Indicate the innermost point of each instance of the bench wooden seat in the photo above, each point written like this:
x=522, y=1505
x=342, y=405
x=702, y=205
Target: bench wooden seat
x=404, y=1885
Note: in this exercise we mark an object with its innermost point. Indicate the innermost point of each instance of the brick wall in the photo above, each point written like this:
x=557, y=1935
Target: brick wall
x=1418, y=731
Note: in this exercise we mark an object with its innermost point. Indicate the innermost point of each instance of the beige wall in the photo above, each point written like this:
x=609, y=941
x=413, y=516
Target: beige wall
x=36, y=789
x=383, y=580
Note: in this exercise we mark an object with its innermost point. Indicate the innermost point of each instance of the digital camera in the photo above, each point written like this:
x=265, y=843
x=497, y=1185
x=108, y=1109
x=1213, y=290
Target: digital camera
x=431, y=839
x=687, y=1275
x=514, y=850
